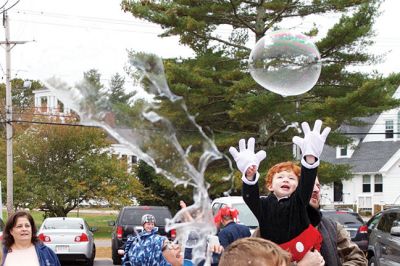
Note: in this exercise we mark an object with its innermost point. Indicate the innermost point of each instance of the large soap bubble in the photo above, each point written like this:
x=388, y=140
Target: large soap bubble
x=285, y=62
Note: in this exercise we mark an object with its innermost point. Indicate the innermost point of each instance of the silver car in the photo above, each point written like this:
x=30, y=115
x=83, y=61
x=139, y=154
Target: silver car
x=70, y=238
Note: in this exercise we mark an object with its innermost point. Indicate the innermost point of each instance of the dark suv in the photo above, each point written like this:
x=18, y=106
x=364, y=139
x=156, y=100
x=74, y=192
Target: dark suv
x=384, y=238
x=353, y=223
x=129, y=223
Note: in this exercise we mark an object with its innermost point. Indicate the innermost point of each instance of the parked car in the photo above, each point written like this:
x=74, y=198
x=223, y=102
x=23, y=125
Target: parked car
x=70, y=238
x=245, y=217
x=353, y=223
x=129, y=223
x=384, y=238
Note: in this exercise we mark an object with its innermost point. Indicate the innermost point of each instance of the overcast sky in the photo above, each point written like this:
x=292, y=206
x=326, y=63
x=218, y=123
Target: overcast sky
x=69, y=37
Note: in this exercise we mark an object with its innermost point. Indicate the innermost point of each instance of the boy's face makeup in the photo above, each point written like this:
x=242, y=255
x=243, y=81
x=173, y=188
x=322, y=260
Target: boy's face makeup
x=283, y=184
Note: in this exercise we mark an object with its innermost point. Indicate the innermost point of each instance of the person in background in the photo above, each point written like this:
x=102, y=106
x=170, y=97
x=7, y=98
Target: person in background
x=193, y=239
x=186, y=215
x=282, y=215
x=145, y=249
x=231, y=230
x=21, y=245
x=254, y=251
x=334, y=235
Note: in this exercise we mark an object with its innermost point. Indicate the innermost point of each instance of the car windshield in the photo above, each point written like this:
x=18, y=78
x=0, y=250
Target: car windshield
x=63, y=224
x=344, y=217
x=246, y=217
x=134, y=216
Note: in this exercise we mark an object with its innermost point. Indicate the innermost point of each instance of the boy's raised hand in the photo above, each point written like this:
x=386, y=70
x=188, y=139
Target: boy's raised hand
x=312, y=143
x=246, y=157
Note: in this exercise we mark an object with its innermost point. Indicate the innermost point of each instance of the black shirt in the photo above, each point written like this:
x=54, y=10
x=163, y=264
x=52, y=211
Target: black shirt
x=280, y=221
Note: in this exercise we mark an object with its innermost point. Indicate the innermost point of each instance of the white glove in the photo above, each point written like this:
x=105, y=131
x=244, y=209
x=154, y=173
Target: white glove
x=312, y=143
x=246, y=158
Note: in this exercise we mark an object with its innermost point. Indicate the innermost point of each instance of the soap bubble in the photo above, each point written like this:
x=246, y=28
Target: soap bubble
x=285, y=62
x=159, y=131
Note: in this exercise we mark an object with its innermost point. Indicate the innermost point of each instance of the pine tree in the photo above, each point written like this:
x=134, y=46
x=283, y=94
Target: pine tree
x=229, y=104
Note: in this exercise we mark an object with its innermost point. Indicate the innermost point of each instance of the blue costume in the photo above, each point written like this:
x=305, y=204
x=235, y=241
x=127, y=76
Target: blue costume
x=145, y=250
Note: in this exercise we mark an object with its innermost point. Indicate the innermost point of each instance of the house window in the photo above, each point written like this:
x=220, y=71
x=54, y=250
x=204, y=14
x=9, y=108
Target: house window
x=389, y=129
x=134, y=159
x=378, y=184
x=343, y=151
x=366, y=183
x=398, y=121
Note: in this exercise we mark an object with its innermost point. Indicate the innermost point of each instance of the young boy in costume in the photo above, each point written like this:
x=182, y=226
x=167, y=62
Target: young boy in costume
x=282, y=216
x=146, y=247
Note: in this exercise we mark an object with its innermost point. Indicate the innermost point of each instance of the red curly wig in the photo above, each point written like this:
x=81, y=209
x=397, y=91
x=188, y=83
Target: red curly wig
x=280, y=167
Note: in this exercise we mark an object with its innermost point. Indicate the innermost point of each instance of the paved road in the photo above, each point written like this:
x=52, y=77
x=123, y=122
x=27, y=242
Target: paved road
x=103, y=262
x=97, y=262
x=103, y=242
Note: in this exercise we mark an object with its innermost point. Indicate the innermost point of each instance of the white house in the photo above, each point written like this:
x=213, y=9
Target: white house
x=48, y=103
x=375, y=159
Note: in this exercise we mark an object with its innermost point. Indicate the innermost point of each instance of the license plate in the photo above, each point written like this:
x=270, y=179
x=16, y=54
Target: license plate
x=62, y=249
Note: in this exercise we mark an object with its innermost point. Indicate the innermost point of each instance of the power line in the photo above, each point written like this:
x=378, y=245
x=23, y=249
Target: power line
x=369, y=133
x=107, y=21
x=87, y=18
x=44, y=115
x=4, y=4
x=178, y=130
x=86, y=26
x=51, y=123
x=5, y=10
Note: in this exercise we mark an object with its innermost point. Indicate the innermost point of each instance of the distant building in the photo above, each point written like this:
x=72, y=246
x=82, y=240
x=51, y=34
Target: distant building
x=374, y=156
x=49, y=104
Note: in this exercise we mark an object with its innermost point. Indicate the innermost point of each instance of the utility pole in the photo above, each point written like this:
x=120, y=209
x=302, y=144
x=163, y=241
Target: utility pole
x=9, y=130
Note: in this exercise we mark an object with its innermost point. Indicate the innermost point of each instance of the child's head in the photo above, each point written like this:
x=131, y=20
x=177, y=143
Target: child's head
x=282, y=179
x=254, y=251
x=148, y=222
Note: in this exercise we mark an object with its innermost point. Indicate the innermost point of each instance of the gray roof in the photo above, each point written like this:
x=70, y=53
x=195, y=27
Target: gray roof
x=365, y=125
x=368, y=156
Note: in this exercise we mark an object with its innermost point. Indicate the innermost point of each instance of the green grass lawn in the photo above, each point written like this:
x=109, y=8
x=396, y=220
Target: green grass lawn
x=98, y=220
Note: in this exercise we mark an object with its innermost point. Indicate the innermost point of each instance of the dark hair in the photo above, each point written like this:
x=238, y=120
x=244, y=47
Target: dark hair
x=8, y=239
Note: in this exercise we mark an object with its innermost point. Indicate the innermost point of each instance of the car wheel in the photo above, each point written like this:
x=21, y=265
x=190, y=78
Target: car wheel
x=90, y=262
x=115, y=257
x=372, y=261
